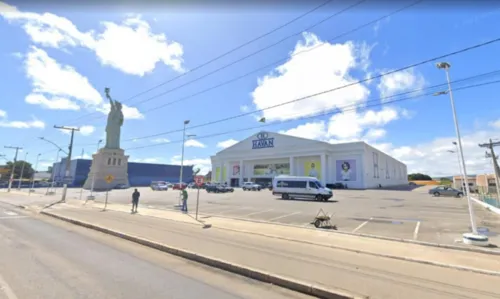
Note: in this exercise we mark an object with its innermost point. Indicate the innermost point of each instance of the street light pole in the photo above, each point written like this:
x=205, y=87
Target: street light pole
x=469, y=238
x=34, y=172
x=463, y=178
x=54, y=172
x=182, y=153
x=68, y=159
x=11, y=179
x=22, y=171
x=93, y=174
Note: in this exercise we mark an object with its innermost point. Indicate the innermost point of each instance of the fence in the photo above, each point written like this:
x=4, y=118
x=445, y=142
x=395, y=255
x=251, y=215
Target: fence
x=491, y=199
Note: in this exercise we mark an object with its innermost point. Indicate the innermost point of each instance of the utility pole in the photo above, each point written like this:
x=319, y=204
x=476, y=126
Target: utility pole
x=22, y=172
x=68, y=159
x=496, y=168
x=17, y=148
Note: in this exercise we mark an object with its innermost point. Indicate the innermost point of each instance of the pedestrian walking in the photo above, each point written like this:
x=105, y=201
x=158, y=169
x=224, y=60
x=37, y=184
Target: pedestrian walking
x=135, y=200
x=184, y=195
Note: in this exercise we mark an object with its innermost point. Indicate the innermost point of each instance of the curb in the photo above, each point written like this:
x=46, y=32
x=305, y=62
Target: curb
x=406, y=259
x=422, y=243
x=285, y=282
x=487, y=206
x=14, y=205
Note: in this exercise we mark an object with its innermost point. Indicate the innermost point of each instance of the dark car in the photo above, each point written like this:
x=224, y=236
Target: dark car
x=121, y=186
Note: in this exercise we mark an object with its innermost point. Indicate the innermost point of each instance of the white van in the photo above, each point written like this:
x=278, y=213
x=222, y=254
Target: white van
x=290, y=187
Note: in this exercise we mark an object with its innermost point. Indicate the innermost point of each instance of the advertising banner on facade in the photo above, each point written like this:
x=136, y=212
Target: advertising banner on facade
x=224, y=174
x=312, y=168
x=346, y=170
x=235, y=170
x=217, y=174
x=271, y=169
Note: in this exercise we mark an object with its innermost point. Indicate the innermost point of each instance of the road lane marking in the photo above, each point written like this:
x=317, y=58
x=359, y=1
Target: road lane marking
x=361, y=225
x=415, y=233
x=283, y=216
x=255, y=213
x=6, y=289
x=11, y=213
x=232, y=210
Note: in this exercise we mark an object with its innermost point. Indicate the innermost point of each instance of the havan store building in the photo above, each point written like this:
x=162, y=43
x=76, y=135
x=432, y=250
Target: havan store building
x=266, y=154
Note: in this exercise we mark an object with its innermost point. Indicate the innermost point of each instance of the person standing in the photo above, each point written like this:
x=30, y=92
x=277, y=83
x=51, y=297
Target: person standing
x=135, y=200
x=184, y=195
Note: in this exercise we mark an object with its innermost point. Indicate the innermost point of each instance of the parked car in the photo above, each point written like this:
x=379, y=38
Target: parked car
x=247, y=186
x=445, y=191
x=218, y=188
x=121, y=186
x=338, y=186
x=179, y=186
x=159, y=186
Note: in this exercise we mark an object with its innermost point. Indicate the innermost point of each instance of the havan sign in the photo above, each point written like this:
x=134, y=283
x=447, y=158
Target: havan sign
x=263, y=141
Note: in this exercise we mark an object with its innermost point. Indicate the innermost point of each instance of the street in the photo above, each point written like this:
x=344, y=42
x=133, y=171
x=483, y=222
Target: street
x=44, y=258
x=413, y=215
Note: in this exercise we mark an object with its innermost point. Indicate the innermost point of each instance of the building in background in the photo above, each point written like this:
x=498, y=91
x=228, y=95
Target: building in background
x=265, y=155
x=43, y=176
x=486, y=183
x=4, y=172
x=139, y=174
x=458, y=183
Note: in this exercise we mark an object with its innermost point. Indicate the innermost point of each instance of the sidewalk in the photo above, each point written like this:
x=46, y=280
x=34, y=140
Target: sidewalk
x=328, y=267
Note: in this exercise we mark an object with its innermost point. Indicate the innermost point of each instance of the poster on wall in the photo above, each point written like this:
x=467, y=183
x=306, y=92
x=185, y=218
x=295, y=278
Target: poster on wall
x=217, y=174
x=346, y=170
x=236, y=170
x=224, y=174
x=271, y=169
x=312, y=168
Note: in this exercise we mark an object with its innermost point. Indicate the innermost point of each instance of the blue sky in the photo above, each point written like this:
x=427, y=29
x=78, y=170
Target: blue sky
x=59, y=61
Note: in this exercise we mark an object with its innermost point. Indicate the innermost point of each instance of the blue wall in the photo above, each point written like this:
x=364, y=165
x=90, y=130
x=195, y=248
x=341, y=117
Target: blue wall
x=139, y=174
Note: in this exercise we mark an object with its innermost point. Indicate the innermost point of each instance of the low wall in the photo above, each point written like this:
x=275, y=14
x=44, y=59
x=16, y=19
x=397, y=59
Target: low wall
x=433, y=183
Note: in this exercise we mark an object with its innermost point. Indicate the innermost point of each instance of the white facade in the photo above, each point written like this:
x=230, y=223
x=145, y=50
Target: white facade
x=266, y=154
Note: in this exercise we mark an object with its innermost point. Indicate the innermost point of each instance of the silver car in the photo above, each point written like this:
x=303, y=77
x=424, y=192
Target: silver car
x=446, y=191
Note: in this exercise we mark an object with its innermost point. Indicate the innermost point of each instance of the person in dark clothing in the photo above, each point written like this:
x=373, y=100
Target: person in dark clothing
x=135, y=200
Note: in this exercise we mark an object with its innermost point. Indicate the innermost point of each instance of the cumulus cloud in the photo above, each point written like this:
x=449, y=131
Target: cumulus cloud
x=140, y=50
x=194, y=143
x=398, y=82
x=204, y=164
x=15, y=124
x=226, y=143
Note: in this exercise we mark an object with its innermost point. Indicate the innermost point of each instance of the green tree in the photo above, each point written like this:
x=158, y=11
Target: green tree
x=419, y=177
x=27, y=171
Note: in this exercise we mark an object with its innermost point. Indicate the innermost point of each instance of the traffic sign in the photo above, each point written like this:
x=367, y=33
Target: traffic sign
x=109, y=178
x=199, y=180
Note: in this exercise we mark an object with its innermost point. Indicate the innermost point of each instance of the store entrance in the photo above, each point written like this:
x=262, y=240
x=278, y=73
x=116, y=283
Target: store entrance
x=263, y=181
x=235, y=182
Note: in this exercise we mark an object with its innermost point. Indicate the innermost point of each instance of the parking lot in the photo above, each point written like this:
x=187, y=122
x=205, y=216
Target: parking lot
x=413, y=215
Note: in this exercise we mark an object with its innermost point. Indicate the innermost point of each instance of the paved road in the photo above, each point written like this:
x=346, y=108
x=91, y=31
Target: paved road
x=48, y=259
x=399, y=214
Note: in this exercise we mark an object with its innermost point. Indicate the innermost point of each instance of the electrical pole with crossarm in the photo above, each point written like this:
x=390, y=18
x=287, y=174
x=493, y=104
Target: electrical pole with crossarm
x=17, y=148
x=492, y=155
x=68, y=159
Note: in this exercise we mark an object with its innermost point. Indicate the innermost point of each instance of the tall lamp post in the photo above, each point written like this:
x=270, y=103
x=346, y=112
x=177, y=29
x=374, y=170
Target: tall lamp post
x=463, y=178
x=34, y=172
x=472, y=238
x=22, y=172
x=93, y=174
x=54, y=172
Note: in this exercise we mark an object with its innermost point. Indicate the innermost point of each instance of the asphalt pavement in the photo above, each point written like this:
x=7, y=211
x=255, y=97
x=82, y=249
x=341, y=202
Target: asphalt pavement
x=44, y=258
x=413, y=215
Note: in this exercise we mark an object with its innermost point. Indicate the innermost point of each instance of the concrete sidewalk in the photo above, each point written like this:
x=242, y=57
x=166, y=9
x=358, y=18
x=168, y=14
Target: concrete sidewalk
x=328, y=267
x=383, y=248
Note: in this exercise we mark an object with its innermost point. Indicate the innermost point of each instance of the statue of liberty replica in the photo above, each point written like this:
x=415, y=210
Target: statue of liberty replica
x=110, y=164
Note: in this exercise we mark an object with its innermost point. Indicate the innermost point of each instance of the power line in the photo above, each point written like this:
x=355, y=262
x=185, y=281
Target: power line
x=363, y=107
x=243, y=45
x=256, y=70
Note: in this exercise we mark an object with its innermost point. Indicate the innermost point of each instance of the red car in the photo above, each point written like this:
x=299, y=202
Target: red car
x=179, y=186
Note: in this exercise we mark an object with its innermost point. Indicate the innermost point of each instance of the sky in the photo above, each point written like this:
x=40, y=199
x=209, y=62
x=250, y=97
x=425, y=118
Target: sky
x=168, y=64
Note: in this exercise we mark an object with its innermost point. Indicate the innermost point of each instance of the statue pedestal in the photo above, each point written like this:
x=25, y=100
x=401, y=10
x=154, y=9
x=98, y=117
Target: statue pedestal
x=107, y=162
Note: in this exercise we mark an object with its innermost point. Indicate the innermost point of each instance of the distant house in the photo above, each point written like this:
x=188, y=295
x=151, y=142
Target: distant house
x=4, y=172
x=486, y=183
x=458, y=183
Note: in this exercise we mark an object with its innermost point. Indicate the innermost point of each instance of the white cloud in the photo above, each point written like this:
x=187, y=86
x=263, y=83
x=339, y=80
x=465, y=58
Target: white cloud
x=313, y=130
x=495, y=124
x=54, y=103
x=160, y=140
x=128, y=112
x=325, y=68
x=146, y=160
x=49, y=77
x=204, y=164
x=139, y=49
x=227, y=143
x=374, y=134
x=87, y=130
x=194, y=143
x=34, y=123
x=400, y=82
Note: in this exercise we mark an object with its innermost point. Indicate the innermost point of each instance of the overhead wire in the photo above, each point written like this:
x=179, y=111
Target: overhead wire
x=463, y=50
x=244, y=45
x=362, y=107
x=260, y=68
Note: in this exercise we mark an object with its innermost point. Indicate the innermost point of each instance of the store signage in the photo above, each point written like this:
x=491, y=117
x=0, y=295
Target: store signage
x=263, y=141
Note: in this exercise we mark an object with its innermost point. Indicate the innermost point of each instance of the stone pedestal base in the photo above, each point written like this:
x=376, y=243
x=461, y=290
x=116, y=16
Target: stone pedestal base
x=104, y=163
